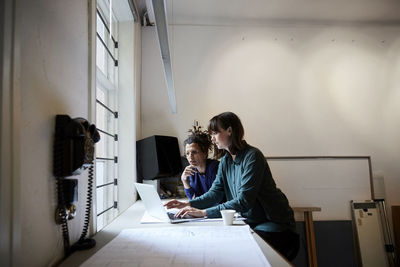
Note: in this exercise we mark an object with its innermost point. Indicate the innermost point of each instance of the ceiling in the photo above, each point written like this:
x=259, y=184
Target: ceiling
x=258, y=12
x=231, y=12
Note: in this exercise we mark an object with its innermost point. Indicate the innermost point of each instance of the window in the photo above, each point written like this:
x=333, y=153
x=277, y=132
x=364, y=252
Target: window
x=108, y=89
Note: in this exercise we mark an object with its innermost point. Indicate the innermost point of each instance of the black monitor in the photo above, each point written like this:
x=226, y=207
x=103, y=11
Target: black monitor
x=157, y=157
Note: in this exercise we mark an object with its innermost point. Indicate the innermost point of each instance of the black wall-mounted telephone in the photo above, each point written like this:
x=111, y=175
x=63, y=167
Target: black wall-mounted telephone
x=74, y=145
x=73, y=151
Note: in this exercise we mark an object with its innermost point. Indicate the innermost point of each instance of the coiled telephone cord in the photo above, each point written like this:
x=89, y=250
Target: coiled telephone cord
x=83, y=242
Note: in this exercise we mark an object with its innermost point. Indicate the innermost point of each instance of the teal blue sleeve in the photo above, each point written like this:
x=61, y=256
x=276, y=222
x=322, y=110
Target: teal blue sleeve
x=247, y=187
x=214, y=195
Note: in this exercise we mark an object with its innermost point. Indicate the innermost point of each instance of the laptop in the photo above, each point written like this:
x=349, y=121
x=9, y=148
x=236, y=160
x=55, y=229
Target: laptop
x=154, y=206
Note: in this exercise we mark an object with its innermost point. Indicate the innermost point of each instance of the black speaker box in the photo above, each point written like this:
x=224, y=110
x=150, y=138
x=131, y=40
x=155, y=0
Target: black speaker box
x=158, y=156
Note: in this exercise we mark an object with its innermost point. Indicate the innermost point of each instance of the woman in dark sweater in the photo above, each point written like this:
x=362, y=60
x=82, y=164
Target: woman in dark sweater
x=245, y=179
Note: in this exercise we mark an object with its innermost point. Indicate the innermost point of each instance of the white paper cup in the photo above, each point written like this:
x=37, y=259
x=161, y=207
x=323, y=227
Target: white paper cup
x=227, y=216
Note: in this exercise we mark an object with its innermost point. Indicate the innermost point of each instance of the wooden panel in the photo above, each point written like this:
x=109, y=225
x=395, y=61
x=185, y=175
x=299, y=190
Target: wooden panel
x=310, y=236
x=396, y=228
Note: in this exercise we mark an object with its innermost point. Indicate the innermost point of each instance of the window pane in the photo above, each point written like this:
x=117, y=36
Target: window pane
x=100, y=111
x=105, y=172
x=100, y=172
x=100, y=222
x=105, y=198
x=100, y=50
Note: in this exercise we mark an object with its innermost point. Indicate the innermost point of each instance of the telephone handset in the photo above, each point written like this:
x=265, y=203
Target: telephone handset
x=73, y=152
x=74, y=145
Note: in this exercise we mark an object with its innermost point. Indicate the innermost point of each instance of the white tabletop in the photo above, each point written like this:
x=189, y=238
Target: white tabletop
x=131, y=219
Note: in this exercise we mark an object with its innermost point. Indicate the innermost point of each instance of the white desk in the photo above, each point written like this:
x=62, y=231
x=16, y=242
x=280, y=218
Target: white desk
x=131, y=219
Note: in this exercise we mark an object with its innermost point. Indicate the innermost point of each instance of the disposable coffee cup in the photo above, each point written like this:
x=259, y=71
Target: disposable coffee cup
x=227, y=216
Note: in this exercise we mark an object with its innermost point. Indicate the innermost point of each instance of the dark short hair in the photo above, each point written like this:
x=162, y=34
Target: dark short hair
x=201, y=138
x=224, y=121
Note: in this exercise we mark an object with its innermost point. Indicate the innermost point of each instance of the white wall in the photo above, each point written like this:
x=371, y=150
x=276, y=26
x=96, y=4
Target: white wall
x=126, y=117
x=52, y=78
x=300, y=89
x=53, y=75
x=46, y=70
x=6, y=130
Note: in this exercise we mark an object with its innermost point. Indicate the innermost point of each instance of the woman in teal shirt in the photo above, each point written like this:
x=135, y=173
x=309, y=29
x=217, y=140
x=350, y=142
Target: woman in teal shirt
x=245, y=179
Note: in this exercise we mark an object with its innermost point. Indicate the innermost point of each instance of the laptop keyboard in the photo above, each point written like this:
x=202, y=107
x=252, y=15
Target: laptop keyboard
x=171, y=215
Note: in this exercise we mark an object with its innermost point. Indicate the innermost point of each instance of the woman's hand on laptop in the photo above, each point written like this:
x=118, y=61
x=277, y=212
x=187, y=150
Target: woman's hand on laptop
x=190, y=211
x=173, y=203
